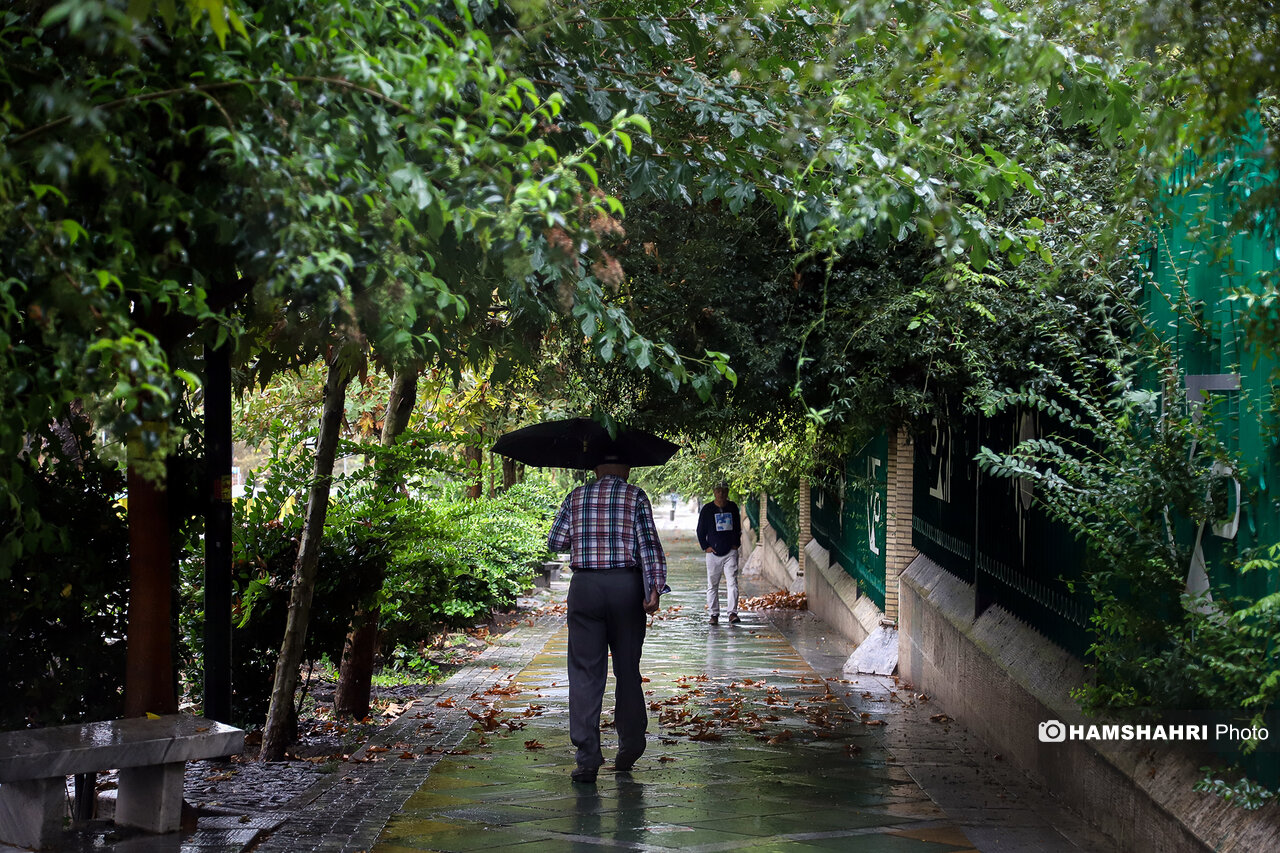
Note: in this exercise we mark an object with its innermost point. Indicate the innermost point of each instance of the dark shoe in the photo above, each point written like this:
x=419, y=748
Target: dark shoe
x=715, y=620
x=584, y=775
x=733, y=617
x=625, y=762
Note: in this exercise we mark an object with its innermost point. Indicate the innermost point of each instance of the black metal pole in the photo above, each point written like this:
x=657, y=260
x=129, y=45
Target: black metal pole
x=217, y=536
x=982, y=596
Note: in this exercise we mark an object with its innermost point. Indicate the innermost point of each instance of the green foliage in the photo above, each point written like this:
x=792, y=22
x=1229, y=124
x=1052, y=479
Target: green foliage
x=265, y=180
x=266, y=534
x=405, y=666
x=446, y=561
x=1117, y=469
x=1130, y=471
x=457, y=560
x=1245, y=793
x=63, y=611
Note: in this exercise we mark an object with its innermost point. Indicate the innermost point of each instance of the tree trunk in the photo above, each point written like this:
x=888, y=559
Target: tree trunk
x=509, y=477
x=279, y=729
x=475, y=456
x=355, y=674
x=149, y=684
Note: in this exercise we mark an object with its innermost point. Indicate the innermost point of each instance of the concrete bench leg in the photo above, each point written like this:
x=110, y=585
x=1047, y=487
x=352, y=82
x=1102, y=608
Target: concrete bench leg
x=150, y=798
x=31, y=812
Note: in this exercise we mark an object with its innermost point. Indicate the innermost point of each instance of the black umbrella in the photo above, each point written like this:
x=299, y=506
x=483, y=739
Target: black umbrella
x=582, y=443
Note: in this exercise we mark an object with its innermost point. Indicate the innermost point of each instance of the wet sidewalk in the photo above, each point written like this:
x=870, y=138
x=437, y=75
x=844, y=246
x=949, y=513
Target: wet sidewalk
x=755, y=743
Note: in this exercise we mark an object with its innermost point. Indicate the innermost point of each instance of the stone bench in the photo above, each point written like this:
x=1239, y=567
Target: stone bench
x=150, y=754
x=546, y=574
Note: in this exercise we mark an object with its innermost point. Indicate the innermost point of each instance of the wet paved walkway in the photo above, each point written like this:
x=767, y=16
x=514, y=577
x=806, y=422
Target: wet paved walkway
x=750, y=748
x=756, y=742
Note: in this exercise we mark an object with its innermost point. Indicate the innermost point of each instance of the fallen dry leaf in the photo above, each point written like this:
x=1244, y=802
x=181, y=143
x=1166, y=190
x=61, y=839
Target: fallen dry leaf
x=780, y=600
x=533, y=744
x=509, y=690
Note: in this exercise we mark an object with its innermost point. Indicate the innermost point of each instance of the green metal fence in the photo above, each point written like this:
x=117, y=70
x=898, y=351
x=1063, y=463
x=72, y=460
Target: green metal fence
x=751, y=505
x=990, y=533
x=848, y=518
x=782, y=525
x=1196, y=267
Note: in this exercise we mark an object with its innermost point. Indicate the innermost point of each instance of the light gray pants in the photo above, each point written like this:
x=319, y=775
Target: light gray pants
x=606, y=615
x=726, y=567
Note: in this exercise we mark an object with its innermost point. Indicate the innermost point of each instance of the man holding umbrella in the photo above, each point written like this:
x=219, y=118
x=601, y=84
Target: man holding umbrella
x=619, y=573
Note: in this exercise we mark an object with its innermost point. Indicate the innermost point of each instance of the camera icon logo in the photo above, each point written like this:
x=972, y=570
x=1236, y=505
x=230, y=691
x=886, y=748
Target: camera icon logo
x=1051, y=731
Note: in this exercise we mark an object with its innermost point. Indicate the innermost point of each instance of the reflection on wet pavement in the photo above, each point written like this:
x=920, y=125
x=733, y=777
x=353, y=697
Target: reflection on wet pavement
x=749, y=748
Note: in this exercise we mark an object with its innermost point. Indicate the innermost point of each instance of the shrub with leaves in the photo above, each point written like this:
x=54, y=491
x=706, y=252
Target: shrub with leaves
x=457, y=560
x=266, y=533
x=1128, y=470
x=63, y=610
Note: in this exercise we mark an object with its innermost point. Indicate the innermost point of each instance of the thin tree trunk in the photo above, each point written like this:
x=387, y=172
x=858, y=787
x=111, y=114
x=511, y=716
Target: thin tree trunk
x=509, y=477
x=280, y=716
x=355, y=673
x=475, y=456
x=492, y=488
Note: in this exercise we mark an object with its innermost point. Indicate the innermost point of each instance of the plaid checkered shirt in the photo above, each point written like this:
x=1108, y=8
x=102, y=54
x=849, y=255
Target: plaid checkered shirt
x=608, y=524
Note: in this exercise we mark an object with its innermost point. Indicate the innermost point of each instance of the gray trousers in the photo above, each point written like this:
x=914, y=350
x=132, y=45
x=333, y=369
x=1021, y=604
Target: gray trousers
x=606, y=615
x=726, y=567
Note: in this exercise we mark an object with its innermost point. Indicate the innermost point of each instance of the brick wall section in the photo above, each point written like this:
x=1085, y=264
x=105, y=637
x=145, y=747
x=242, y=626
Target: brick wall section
x=804, y=534
x=898, y=550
